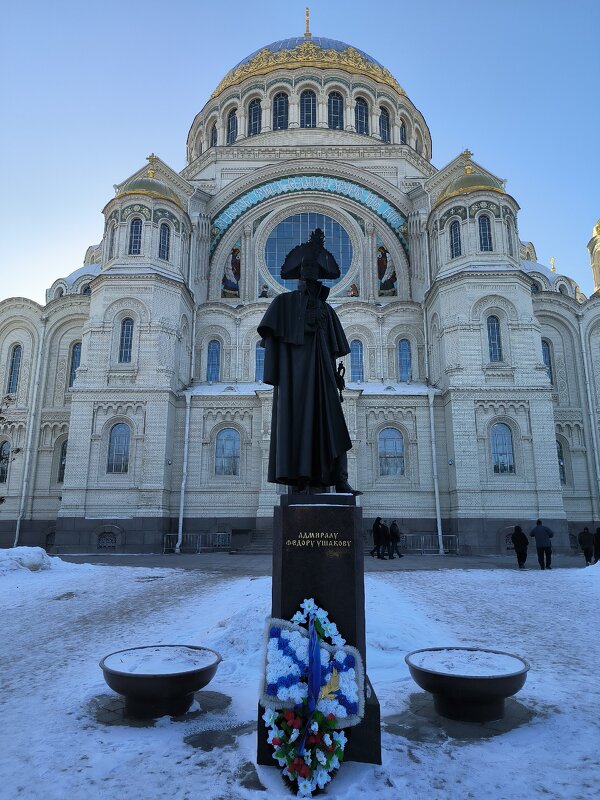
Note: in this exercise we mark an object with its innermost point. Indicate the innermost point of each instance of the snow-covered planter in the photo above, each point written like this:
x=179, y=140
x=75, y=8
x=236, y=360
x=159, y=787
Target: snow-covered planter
x=468, y=683
x=159, y=679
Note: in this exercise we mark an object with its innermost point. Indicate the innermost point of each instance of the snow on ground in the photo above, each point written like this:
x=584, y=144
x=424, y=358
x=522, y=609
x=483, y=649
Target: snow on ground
x=58, y=622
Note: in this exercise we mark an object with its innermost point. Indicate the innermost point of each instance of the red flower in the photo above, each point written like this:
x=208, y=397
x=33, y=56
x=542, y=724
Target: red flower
x=330, y=716
x=289, y=715
x=296, y=722
x=276, y=741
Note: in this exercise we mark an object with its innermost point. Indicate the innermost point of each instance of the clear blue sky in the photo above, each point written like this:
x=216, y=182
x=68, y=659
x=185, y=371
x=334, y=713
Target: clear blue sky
x=89, y=89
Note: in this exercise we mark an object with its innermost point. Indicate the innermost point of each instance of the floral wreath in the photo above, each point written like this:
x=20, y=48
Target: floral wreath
x=311, y=689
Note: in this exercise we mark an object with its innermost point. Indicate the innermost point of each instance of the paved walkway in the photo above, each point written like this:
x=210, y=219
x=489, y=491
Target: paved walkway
x=257, y=565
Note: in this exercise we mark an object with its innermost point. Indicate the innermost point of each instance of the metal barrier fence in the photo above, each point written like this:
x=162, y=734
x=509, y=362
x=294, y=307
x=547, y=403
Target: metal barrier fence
x=196, y=542
x=427, y=543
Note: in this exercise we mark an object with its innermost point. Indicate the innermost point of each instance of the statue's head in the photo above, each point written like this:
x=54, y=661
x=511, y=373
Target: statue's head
x=310, y=261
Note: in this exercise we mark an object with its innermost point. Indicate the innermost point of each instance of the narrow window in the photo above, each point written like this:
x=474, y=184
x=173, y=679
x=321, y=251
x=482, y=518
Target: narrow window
x=259, y=363
x=419, y=144
x=213, y=366
x=503, y=457
x=561, y=462
x=4, y=461
x=402, y=132
x=227, y=452
x=404, y=360
x=547, y=356
x=126, y=341
x=135, y=237
x=75, y=361
x=361, y=116
x=384, y=125
x=335, y=111
x=213, y=135
x=62, y=462
x=254, y=118
x=494, y=338
x=280, y=112
x=308, y=109
x=391, y=452
x=455, y=249
x=164, y=242
x=14, y=369
x=111, y=241
x=118, y=449
x=231, y=126
x=485, y=234
x=356, y=361
x=509, y=239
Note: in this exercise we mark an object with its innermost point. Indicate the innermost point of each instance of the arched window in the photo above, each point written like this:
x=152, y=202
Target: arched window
x=485, y=234
x=4, y=461
x=164, y=242
x=419, y=144
x=335, y=111
x=126, y=341
x=404, y=360
x=59, y=293
x=62, y=462
x=384, y=125
x=547, y=356
x=259, y=363
x=561, y=462
x=213, y=365
x=87, y=289
x=14, y=369
x=308, y=109
x=227, y=452
x=232, y=126
x=135, y=237
x=356, y=361
x=535, y=288
x=510, y=239
x=391, y=452
x=213, y=135
x=254, y=117
x=280, y=112
x=111, y=240
x=494, y=338
x=75, y=361
x=503, y=457
x=402, y=132
x=455, y=248
x=118, y=449
x=361, y=116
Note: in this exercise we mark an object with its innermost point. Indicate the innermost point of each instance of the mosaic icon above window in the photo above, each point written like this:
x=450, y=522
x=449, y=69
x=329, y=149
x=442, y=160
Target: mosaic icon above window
x=296, y=230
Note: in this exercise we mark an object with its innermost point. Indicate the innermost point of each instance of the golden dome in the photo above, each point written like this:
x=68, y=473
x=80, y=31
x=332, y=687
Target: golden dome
x=150, y=186
x=469, y=182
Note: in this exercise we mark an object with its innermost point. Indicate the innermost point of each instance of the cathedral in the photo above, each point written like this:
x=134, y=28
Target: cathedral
x=134, y=415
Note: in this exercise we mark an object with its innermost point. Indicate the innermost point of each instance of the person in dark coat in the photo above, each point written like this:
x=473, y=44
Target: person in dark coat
x=542, y=536
x=586, y=542
x=597, y=546
x=520, y=543
x=302, y=336
x=395, y=539
x=386, y=541
x=377, y=539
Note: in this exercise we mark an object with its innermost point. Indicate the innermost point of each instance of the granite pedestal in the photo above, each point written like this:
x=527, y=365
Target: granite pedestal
x=318, y=552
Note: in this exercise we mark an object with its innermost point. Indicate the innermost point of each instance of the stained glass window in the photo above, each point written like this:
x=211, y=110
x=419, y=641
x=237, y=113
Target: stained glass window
x=126, y=341
x=356, y=361
x=308, y=109
x=280, y=112
x=494, y=338
x=503, y=458
x=75, y=361
x=361, y=116
x=335, y=111
x=391, y=452
x=213, y=365
x=254, y=117
x=227, y=452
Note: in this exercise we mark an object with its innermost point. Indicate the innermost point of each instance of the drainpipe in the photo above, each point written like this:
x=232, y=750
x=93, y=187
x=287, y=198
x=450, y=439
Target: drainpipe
x=436, y=486
x=186, y=437
x=32, y=418
x=590, y=404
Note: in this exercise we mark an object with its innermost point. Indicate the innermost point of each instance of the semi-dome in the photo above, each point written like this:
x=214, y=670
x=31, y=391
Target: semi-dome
x=151, y=187
x=308, y=51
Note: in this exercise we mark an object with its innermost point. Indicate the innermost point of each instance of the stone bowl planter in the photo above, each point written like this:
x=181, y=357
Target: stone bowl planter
x=159, y=679
x=468, y=683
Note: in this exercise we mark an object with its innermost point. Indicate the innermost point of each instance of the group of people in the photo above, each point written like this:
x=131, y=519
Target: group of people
x=386, y=539
x=588, y=541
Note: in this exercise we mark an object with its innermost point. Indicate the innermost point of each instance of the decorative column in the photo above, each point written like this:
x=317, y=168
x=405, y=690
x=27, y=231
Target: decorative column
x=247, y=281
x=322, y=121
x=294, y=111
x=265, y=119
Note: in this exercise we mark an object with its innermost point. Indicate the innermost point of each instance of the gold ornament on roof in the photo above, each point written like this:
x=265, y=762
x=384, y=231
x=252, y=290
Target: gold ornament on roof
x=552, y=264
x=467, y=156
x=151, y=168
x=307, y=33
x=308, y=54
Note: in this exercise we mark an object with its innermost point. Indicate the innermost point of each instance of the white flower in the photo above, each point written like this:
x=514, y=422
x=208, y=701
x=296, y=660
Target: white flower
x=340, y=738
x=308, y=605
x=314, y=727
x=338, y=640
x=274, y=734
x=305, y=787
x=327, y=740
x=321, y=778
x=334, y=763
x=269, y=717
x=321, y=757
x=321, y=615
x=299, y=618
x=294, y=735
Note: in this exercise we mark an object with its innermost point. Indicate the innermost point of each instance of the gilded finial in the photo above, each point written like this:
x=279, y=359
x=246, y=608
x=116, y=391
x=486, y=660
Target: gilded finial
x=307, y=33
x=552, y=267
x=466, y=154
x=152, y=159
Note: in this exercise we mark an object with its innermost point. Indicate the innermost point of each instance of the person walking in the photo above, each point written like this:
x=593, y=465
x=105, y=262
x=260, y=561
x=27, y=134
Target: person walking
x=542, y=536
x=520, y=543
x=377, y=538
x=597, y=546
x=586, y=542
x=386, y=543
x=395, y=539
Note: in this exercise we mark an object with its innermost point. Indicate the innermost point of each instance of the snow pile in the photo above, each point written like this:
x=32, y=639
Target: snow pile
x=31, y=558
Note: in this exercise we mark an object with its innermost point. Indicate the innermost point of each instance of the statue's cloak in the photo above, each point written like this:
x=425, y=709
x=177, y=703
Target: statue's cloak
x=302, y=336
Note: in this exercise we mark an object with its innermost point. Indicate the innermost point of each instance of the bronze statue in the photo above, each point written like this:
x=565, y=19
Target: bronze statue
x=303, y=337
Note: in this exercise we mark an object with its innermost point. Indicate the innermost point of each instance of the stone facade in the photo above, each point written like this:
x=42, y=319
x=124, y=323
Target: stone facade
x=473, y=392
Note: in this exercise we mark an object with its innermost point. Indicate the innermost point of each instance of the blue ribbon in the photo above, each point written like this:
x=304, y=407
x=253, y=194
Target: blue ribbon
x=314, y=679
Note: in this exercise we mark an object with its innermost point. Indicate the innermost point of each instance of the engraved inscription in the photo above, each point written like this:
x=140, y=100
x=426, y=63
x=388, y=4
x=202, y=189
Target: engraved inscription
x=318, y=539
